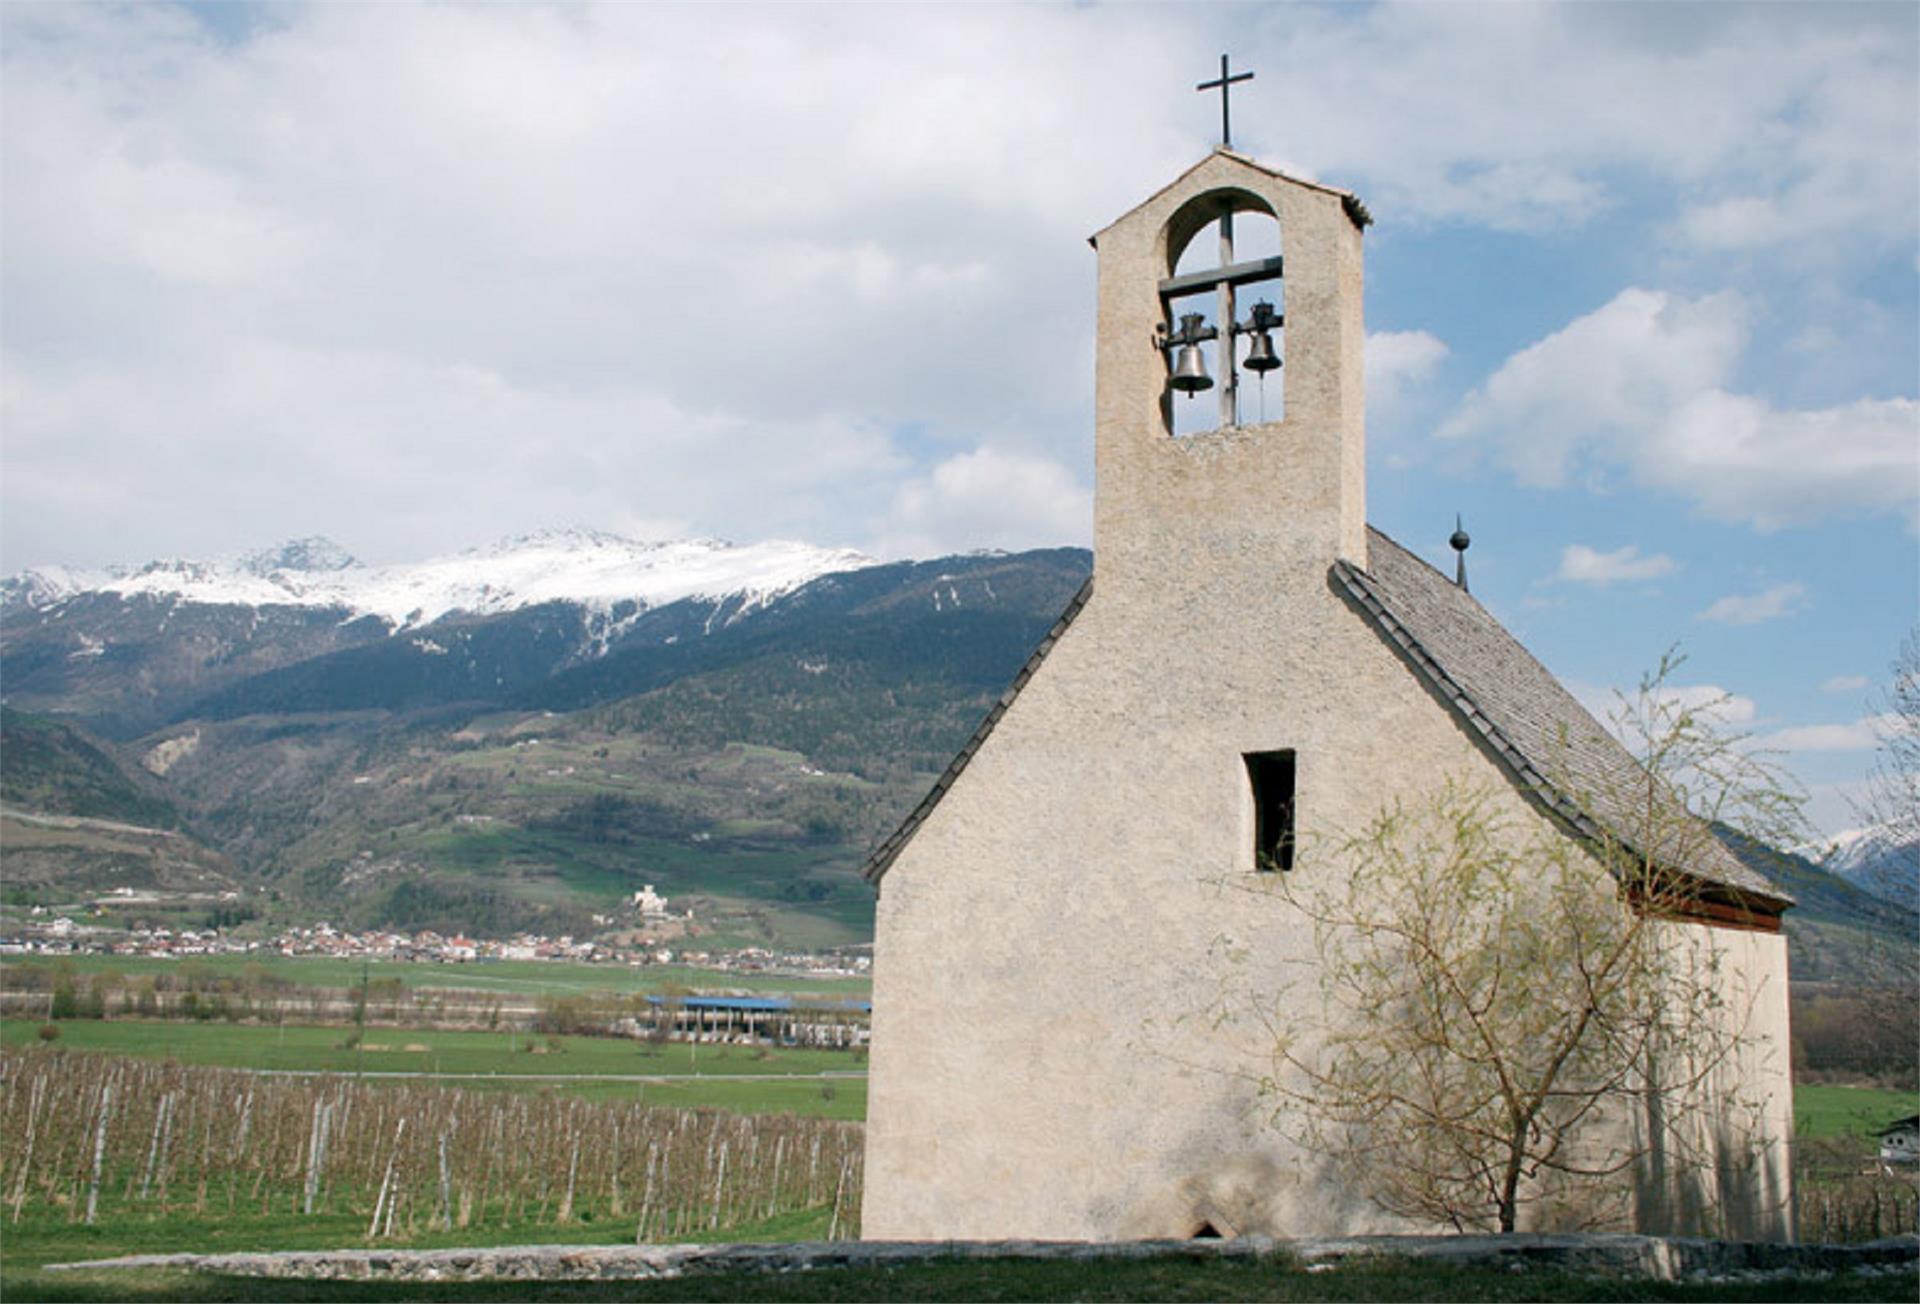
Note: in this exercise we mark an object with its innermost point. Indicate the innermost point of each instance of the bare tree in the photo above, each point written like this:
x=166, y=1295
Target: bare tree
x=1508, y=1020
x=1889, y=996
x=1891, y=808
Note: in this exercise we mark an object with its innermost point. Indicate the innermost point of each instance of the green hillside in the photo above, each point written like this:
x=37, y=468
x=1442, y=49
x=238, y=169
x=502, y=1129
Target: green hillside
x=54, y=768
x=740, y=760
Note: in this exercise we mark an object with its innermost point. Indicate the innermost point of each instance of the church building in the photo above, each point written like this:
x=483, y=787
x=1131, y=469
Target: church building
x=1250, y=670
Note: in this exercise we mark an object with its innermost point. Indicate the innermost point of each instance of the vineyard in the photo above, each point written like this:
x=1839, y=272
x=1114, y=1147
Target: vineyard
x=89, y=1138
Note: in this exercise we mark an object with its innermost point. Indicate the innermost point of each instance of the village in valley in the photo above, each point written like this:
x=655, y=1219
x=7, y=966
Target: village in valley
x=62, y=936
x=641, y=937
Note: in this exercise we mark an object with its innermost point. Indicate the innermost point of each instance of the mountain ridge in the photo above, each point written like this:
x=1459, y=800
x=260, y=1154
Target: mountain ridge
x=593, y=568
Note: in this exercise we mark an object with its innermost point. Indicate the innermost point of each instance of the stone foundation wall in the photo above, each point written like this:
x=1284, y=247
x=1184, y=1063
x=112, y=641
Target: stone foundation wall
x=1661, y=1258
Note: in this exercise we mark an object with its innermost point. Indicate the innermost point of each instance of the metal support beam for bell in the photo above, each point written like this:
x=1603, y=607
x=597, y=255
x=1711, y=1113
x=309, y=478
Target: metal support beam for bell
x=1229, y=367
x=1258, y=269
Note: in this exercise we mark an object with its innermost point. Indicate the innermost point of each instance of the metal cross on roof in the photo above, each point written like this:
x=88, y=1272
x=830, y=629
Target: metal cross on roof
x=1224, y=83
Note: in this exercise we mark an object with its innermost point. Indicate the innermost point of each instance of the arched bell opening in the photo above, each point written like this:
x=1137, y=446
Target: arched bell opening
x=1222, y=331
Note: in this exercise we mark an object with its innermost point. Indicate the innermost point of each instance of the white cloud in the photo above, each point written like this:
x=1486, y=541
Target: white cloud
x=866, y=228
x=1819, y=189
x=1398, y=361
x=1710, y=701
x=1583, y=565
x=436, y=454
x=1601, y=379
x=1612, y=706
x=1834, y=807
x=1863, y=735
x=1637, y=387
x=756, y=309
x=1774, y=123
x=987, y=498
x=1846, y=684
x=1753, y=609
x=1742, y=459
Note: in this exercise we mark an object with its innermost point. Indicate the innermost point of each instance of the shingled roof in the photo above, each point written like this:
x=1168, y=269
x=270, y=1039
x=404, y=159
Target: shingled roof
x=1553, y=746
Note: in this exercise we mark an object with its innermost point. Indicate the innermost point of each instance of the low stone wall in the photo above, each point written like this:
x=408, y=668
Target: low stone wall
x=1663, y=1258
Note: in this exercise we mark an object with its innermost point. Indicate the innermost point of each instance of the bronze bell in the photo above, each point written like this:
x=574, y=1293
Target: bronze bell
x=1190, y=370
x=1260, y=357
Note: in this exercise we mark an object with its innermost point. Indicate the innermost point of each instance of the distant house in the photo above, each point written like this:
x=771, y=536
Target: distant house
x=1900, y=1141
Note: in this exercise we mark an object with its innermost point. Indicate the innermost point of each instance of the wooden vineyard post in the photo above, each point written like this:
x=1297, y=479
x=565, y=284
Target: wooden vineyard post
x=34, y=1097
x=646, y=1199
x=99, y=1150
x=373, y=1228
x=446, y=1187
x=839, y=1192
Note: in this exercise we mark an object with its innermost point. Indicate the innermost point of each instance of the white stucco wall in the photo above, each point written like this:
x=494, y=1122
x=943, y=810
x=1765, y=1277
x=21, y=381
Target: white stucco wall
x=1726, y=1169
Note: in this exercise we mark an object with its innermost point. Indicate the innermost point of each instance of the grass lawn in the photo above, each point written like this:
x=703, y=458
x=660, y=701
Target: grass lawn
x=1820, y=1112
x=421, y=1050
x=523, y=977
x=844, y=1099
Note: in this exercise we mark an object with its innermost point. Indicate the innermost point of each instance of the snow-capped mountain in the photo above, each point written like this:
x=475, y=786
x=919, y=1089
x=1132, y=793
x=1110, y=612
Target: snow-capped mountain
x=559, y=618
x=587, y=567
x=1883, y=859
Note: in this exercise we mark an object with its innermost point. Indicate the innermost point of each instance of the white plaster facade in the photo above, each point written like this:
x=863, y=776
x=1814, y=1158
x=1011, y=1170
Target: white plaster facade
x=1048, y=940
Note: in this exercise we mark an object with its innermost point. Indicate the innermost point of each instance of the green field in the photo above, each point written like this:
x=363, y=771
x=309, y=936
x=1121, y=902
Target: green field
x=746, y=1079
x=522, y=977
x=844, y=1099
x=422, y=1050
x=1820, y=1112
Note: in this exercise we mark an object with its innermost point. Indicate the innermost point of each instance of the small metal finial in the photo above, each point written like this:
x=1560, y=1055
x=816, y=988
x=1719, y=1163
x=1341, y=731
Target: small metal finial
x=1223, y=84
x=1458, y=542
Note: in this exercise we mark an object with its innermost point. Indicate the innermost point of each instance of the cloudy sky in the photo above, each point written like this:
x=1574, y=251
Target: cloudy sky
x=1644, y=291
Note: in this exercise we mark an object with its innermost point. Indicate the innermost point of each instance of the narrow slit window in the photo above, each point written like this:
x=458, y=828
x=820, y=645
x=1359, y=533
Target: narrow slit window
x=1271, y=774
